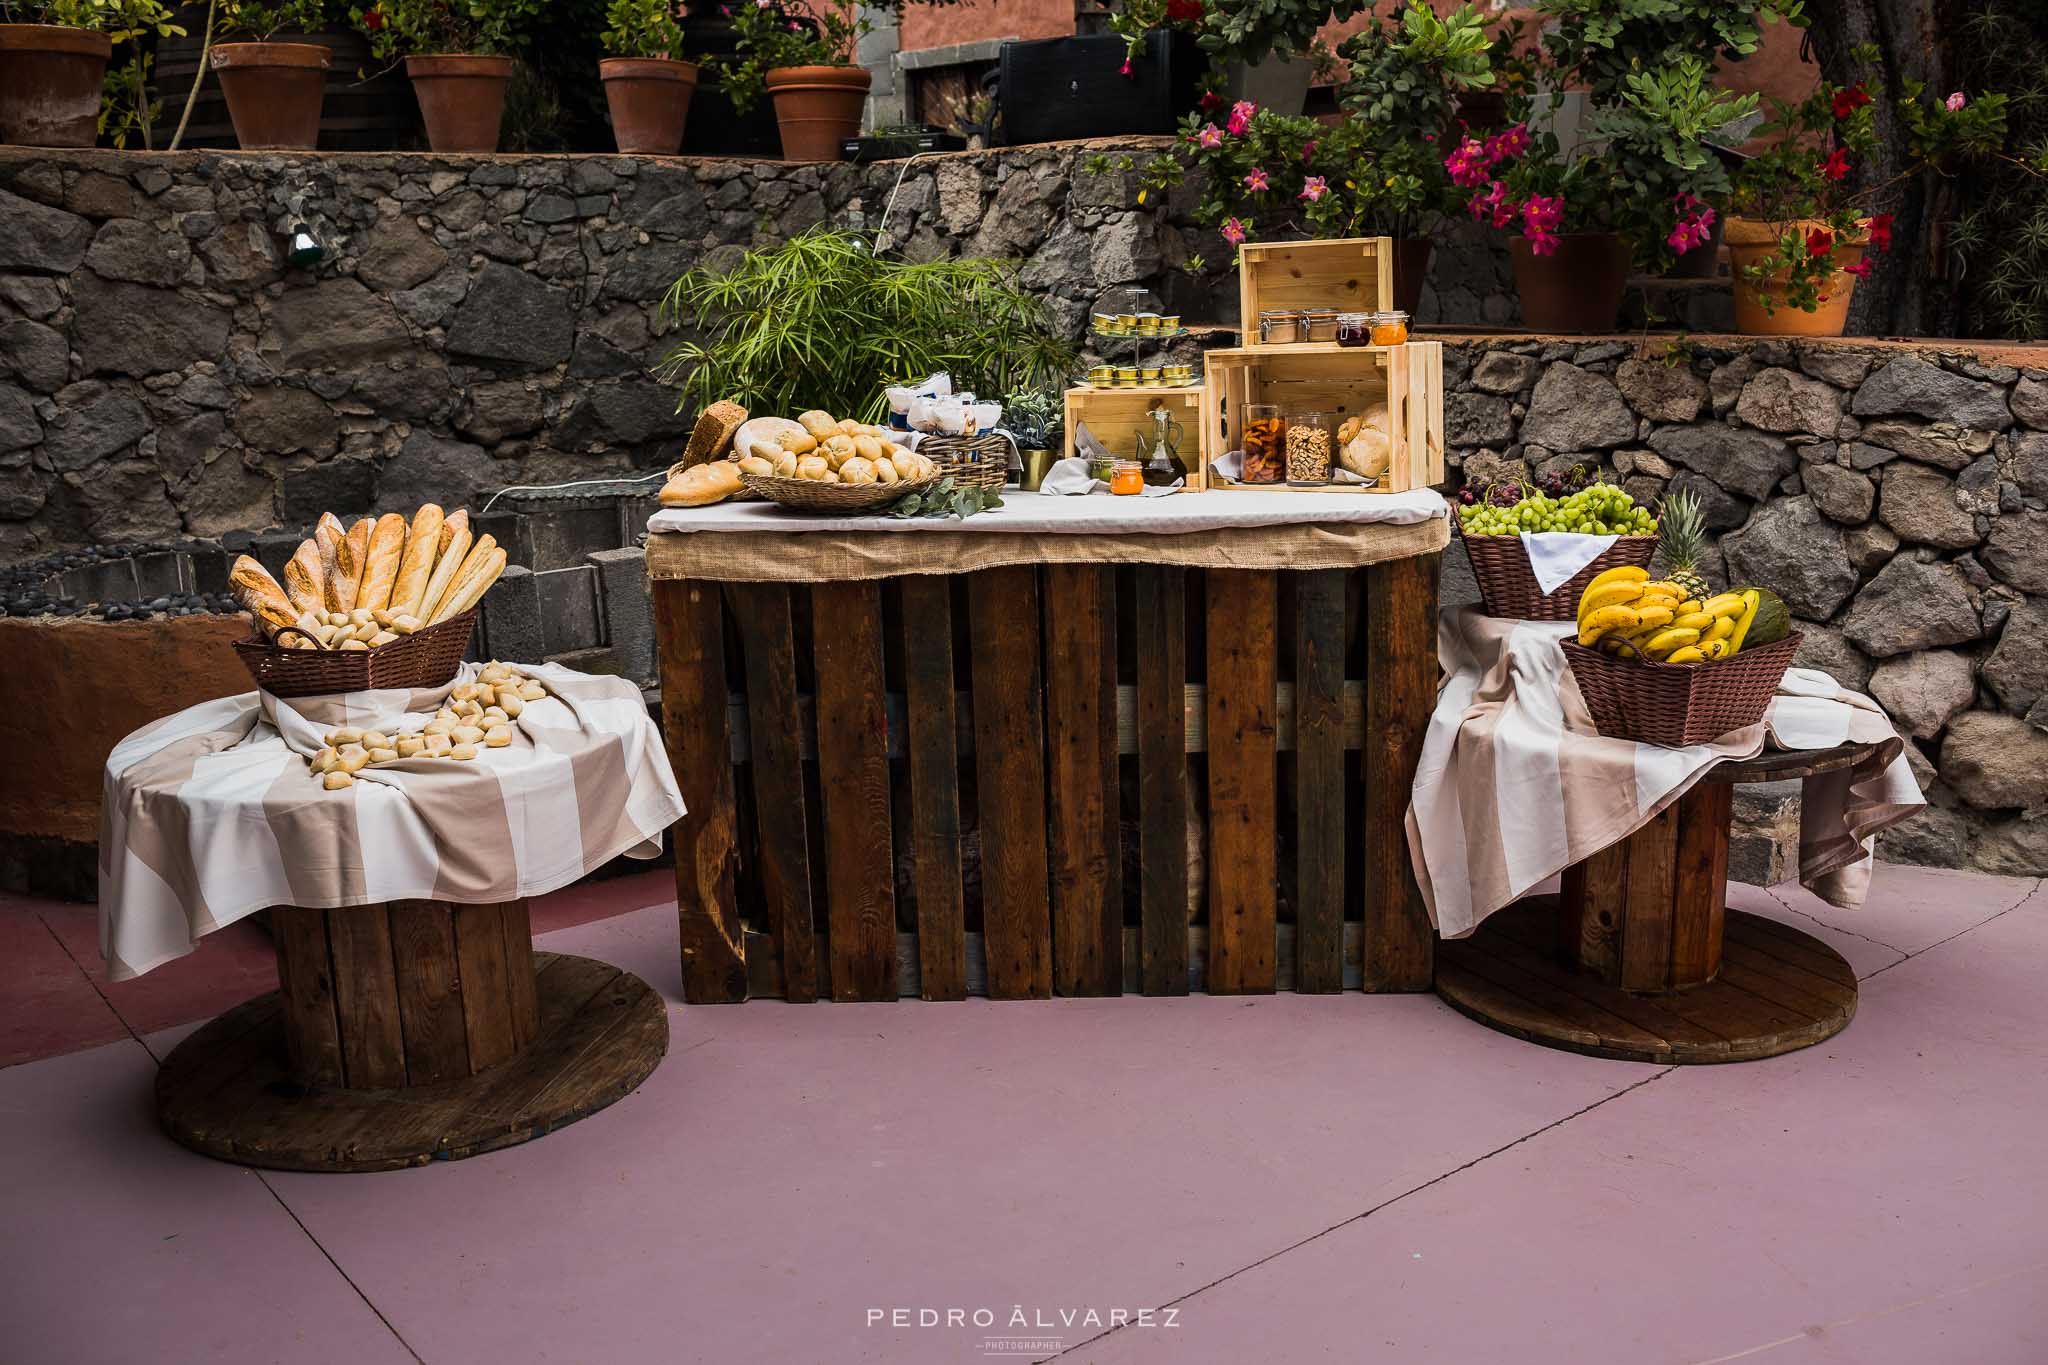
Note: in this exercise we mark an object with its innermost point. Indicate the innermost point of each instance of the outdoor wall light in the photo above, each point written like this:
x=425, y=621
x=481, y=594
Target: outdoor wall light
x=305, y=250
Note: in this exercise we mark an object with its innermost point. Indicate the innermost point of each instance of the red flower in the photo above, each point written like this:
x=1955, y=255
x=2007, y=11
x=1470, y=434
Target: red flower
x=1859, y=268
x=1184, y=11
x=1849, y=101
x=1880, y=232
x=1819, y=242
x=1210, y=101
x=1836, y=165
x=373, y=19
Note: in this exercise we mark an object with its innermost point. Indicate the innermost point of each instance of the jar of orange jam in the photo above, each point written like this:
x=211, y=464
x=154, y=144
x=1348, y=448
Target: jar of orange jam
x=1129, y=477
x=1389, y=328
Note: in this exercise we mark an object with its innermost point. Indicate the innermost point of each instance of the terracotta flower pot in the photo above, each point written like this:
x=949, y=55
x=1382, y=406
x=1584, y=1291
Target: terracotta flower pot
x=817, y=107
x=650, y=102
x=1749, y=241
x=462, y=99
x=1577, y=287
x=274, y=92
x=1411, y=268
x=50, y=80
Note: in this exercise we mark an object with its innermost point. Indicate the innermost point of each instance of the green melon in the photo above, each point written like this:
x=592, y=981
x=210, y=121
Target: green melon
x=1767, y=621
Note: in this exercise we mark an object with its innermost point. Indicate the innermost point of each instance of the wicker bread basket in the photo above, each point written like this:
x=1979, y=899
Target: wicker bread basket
x=973, y=461
x=1509, y=587
x=425, y=658
x=808, y=495
x=1677, y=705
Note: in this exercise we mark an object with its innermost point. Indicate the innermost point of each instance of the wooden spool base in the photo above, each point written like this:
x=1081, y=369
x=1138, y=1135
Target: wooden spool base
x=1778, y=990
x=227, y=1091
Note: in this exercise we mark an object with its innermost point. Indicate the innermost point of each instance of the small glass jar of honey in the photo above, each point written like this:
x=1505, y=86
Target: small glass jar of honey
x=1390, y=328
x=1129, y=477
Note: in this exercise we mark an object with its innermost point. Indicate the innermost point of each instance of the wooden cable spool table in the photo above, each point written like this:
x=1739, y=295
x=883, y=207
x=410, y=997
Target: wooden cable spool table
x=406, y=1033
x=1640, y=958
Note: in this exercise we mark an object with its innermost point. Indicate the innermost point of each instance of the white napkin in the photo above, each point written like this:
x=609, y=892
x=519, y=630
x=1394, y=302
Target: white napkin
x=1554, y=556
x=1071, y=476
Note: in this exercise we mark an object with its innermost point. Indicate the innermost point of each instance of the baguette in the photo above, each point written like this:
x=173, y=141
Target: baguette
x=260, y=596
x=380, y=567
x=458, y=520
x=329, y=535
x=422, y=546
x=453, y=551
x=472, y=565
x=349, y=558
x=305, y=578
x=470, y=587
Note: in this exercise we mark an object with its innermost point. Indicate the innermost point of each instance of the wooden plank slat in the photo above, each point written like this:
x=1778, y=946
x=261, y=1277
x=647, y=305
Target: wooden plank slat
x=1646, y=931
x=429, y=992
x=1009, y=766
x=521, y=988
x=1400, y=690
x=1591, y=909
x=486, y=986
x=690, y=638
x=934, y=817
x=1517, y=934
x=1699, y=881
x=774, y=729
x=305, y=977
x=1243, y=632
x=366, y=997
x=1080, y=723
x=1160, y=620
x=1319, y=780
x=853, y=782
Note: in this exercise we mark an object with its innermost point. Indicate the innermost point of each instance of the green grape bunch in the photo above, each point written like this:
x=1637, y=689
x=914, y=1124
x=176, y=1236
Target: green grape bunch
x=1598, y=509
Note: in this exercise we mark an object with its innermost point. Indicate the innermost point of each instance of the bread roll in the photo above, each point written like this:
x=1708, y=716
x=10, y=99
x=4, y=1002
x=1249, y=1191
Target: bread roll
x=818, y=422
x=380, y=568
x=754, y=464
x=422, y=542
x=705, y=484
x=260, y=596
x=305, y=578
x=473, y=584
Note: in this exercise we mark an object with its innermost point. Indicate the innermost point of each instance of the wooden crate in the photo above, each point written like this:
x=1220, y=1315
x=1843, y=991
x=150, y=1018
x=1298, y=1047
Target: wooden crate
x=1339, y=379
x=1049, y=780
x=1350, y=274
x=1115, y=415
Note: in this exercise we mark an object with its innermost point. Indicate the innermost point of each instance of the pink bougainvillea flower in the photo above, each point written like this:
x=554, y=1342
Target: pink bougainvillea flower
x=1835, y=166
x=1210, y=137
x=1880, y=229
x=1241, y=117
x=1314, y=188
x=1954, y=103
x=1255, y=179
x=1859, y=268
x=1233, y=231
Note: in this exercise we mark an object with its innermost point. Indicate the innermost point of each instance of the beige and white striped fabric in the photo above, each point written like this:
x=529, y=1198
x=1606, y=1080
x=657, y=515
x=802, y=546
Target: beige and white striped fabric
x=1515, y=783
x=212, y=814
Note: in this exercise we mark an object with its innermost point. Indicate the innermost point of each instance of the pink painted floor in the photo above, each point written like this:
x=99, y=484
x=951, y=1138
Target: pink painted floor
x=1278, y=1179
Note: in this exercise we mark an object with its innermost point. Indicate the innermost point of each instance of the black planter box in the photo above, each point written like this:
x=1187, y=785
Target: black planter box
x=895, y=146
x=1060, y=89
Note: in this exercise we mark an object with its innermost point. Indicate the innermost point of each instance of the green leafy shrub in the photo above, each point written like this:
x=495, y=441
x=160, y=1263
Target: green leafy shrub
x=643, y=28
x=476, y=27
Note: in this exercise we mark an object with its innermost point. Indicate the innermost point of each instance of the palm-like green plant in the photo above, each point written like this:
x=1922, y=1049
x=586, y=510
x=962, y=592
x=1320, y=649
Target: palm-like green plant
x=822, y=321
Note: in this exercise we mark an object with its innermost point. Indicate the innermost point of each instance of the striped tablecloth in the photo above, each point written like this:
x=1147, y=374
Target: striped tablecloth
x=211, y=814
x=1515, y=783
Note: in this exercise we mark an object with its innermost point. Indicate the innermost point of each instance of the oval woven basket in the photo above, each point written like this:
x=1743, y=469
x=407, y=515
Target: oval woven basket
x=1509, y=587
x=808, y=495
x=1677, y=705
x=973, y=461
x=425, y=658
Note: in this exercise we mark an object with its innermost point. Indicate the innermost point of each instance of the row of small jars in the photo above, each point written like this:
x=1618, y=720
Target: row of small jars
x=1280, y=326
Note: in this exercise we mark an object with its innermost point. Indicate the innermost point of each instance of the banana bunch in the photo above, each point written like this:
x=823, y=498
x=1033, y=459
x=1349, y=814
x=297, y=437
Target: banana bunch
x=1628, y=614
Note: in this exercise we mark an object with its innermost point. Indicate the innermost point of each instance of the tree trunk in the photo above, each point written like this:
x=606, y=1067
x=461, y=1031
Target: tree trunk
x=1906, y=294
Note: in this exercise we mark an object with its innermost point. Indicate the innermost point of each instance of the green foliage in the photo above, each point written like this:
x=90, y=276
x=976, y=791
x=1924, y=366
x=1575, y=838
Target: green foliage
x=1601, y=43
x=778, y=35
x=1250, y=30
x=121, y=20
x=258, y=22
x=643, y=28
x=532, y=121
x=1036, y=417
x=476, y=27
x=822, y=322
x=1997, y=246
x=942, y=499
x=1656, y=153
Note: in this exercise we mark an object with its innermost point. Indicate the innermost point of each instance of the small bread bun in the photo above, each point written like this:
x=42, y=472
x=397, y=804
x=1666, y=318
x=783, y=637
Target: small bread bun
x=813, y=467
x=818, y=422
x=778, y=432
x=857, y=470
x=755, y=464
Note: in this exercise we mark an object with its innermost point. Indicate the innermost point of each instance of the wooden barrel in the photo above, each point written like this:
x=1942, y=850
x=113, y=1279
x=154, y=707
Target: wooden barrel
x=367, y=109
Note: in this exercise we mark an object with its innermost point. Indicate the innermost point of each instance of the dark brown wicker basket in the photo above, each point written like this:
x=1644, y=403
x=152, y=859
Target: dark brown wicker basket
x=1508, y=585
x=973, y=461
x=1679, y=704
x=425, y=658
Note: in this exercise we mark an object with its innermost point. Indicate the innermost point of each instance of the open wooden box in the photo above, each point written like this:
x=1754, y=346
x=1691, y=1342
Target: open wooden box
x=1115, y=415
x=1344, y=380
x=1349, y=274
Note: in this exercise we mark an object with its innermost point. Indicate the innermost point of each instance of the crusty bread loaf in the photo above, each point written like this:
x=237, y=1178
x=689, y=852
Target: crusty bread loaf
x=713, y=432
x=471, y=586
x=449, y=563
x=422, y=548
x=305, y=578
x=330, y=535
x=472, y=565
x=348, y=563
x=260, y=596
x=702, y=485
x=458, y=520
x=380, y=569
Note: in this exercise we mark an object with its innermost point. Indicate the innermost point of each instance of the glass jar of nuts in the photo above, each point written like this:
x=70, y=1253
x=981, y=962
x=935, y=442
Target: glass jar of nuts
x=1311, y=445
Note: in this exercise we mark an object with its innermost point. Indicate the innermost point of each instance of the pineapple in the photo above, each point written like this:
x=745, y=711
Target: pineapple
x=1681, y=535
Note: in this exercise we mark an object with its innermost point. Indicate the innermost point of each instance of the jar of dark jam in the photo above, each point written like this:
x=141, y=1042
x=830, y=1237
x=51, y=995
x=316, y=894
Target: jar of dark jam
x=1354, y=329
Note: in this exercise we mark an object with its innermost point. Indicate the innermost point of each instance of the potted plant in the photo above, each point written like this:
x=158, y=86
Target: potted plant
x=1265, y=46
x=1797, y=233
x=647, y=84
x=53, y=64
x=455, y=56
x=802, y=55
x=1663, y=176
x=274, y=90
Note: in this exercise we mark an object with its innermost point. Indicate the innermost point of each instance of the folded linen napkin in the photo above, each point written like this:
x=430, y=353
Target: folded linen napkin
x=1554, y=556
